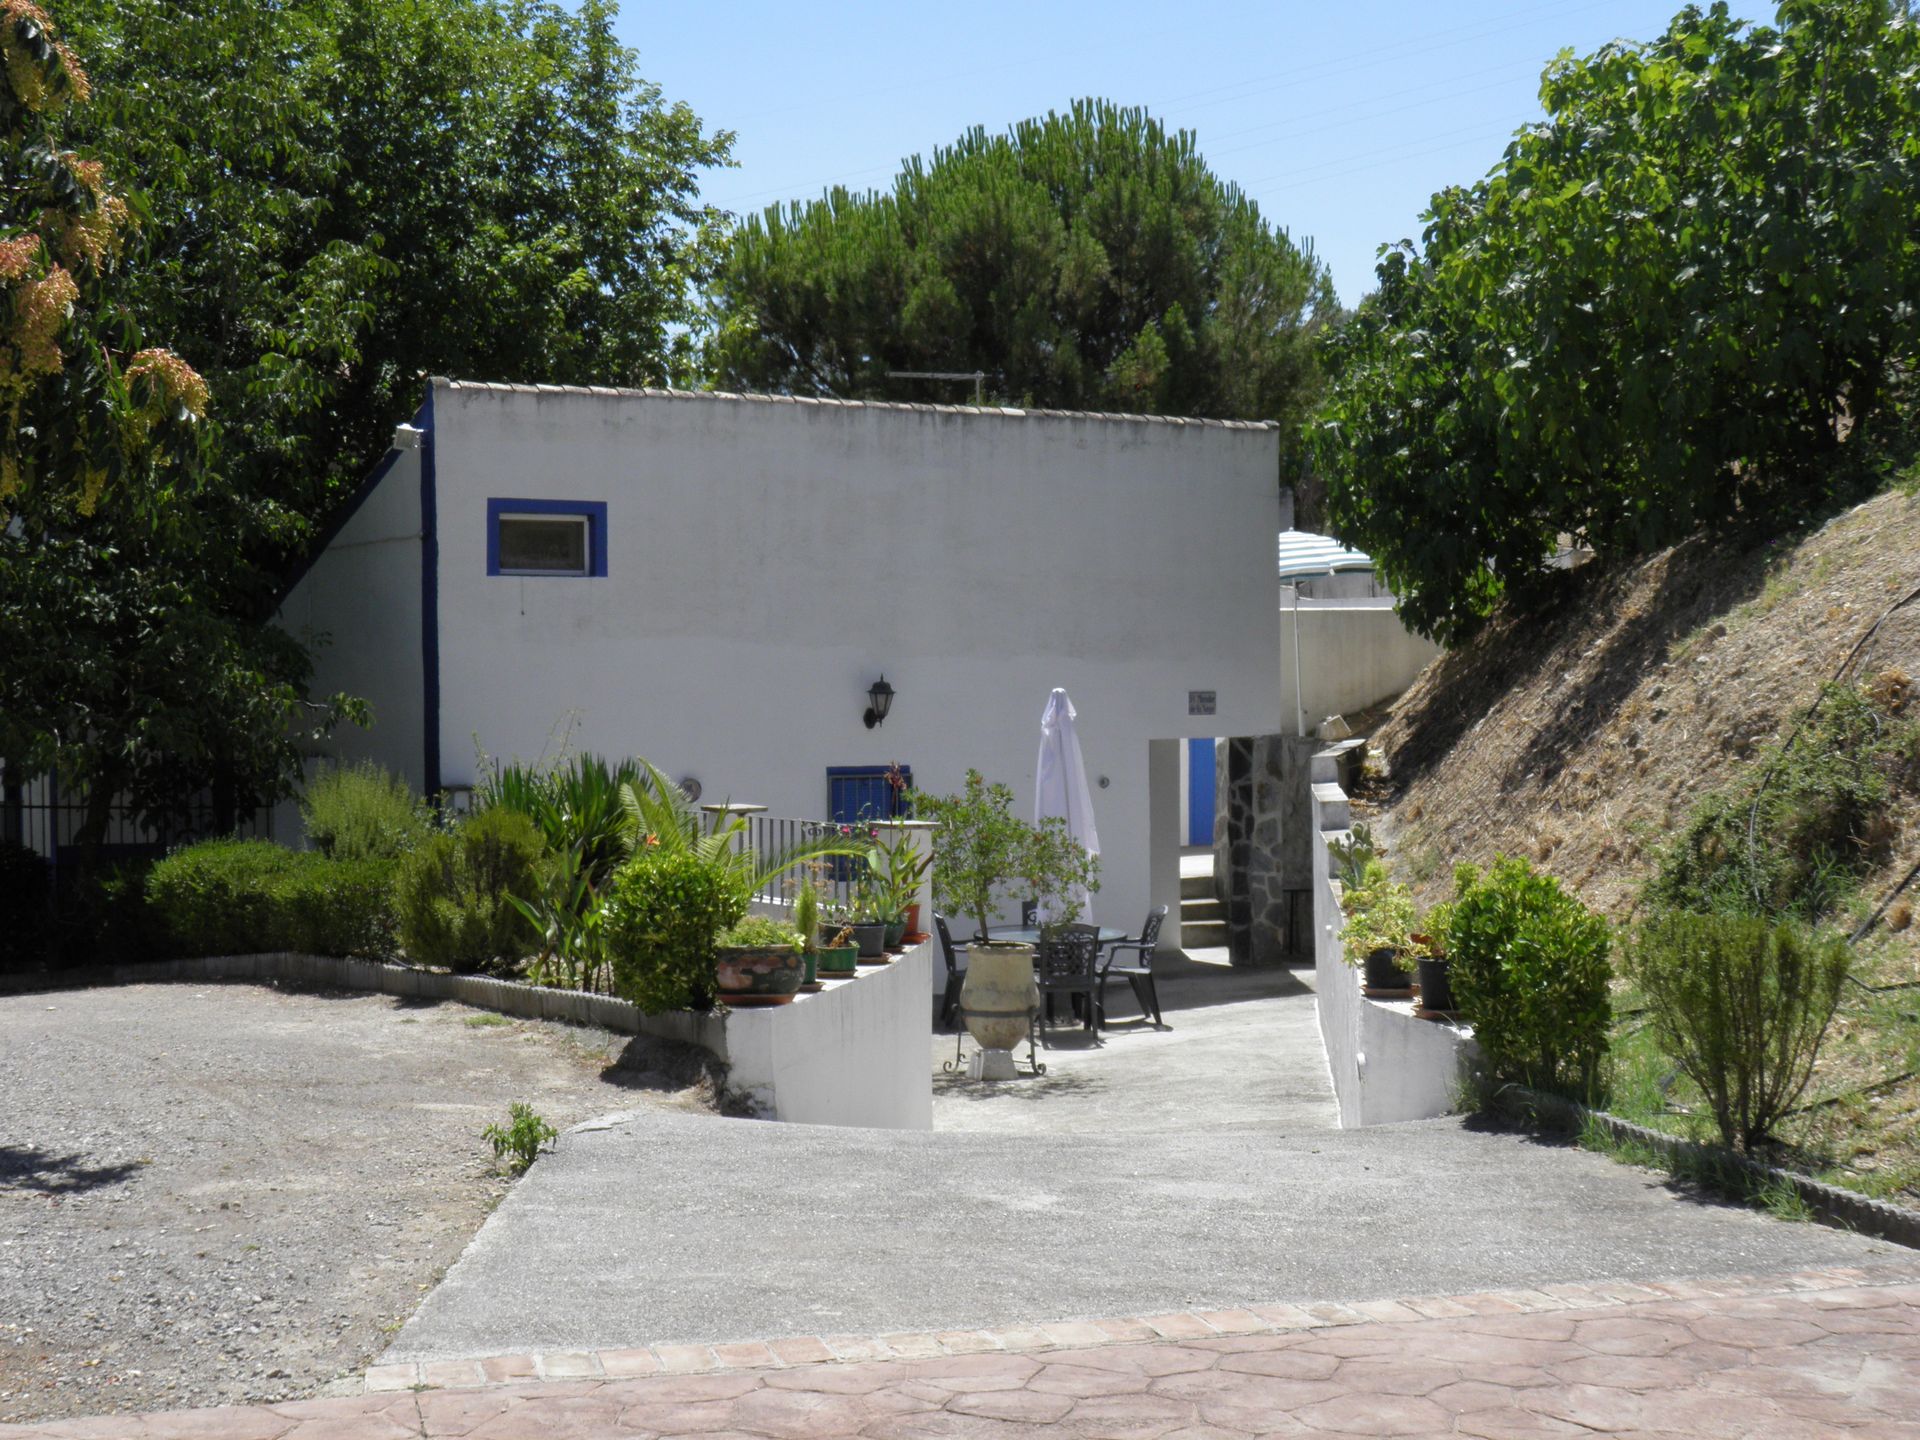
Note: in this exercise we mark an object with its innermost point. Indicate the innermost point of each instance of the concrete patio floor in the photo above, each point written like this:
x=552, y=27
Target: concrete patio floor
x=1193, y=1167
x=1245, y=1044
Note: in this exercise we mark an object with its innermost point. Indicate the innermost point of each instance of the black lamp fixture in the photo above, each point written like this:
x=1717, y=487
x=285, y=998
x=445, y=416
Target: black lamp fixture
x=879, y=701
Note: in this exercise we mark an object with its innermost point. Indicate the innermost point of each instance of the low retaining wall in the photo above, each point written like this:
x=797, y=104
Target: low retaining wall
x=853, y=1053
x=1386, y=1064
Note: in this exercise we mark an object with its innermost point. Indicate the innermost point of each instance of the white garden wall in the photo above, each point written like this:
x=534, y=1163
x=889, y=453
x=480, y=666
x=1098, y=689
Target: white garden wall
x=1386, y=1064
x=1352, y=656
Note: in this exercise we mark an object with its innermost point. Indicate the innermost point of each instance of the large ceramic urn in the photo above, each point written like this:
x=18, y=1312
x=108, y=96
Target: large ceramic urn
x=997, y=1000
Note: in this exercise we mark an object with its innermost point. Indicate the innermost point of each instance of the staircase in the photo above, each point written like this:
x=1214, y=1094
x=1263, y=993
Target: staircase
x=1203, y=922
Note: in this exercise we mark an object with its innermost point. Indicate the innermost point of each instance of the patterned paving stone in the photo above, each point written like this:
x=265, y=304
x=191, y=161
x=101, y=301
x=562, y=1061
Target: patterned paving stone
x=1795, y=1356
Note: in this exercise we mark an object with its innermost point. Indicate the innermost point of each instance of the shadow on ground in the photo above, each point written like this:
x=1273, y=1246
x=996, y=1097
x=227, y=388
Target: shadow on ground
x=31, y=1169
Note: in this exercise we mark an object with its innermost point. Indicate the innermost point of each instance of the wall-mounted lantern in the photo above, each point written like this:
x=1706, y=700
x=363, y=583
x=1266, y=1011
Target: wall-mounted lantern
x=879, y=701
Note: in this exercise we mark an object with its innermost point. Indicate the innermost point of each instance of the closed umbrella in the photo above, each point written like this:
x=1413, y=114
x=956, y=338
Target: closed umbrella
x=1061, y=781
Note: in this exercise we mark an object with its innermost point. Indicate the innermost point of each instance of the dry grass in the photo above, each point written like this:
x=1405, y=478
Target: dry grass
x=1583, y=739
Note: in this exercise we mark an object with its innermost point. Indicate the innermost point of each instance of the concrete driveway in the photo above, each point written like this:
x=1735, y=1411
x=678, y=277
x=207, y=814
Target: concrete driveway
x=1193, y=1168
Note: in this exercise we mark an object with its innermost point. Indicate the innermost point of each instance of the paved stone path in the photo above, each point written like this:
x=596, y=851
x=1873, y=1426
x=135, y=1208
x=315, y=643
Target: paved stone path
x=1818, y=1353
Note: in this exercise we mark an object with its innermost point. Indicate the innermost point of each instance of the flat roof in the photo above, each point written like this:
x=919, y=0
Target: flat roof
x=1008, y=412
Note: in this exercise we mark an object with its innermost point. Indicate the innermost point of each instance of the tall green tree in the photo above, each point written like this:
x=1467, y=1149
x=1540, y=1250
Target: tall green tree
x=124, y=667
x=349, y=195
x=1691, y=295
x=1089, y=260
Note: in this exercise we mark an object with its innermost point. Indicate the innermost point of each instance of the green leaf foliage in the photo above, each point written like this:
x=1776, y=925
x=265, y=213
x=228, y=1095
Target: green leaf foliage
x=1795, y=833
x=1687, y=297
x=350, y=195
x=1529, y=969
x=659, y=922
x=1740, y=1005
x=455, y=893
x=363, y=811
x=129, y=577
x=1087, y=260
x=243, y=897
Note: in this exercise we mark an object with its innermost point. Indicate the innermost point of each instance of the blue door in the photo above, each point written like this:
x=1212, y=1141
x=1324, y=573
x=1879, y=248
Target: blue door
x=1200, y=798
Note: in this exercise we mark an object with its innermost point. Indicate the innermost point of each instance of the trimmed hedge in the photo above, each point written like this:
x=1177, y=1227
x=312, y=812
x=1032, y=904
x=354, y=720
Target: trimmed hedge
x=239, y=897
x=659, y=921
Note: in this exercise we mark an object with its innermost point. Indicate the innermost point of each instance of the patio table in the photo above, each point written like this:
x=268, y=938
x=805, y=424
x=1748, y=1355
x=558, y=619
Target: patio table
x=1108, y=935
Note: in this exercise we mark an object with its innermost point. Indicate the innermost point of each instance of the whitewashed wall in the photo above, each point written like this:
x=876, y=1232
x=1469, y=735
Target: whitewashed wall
x=358, y=609
x=768, y=560
x=1352, y=656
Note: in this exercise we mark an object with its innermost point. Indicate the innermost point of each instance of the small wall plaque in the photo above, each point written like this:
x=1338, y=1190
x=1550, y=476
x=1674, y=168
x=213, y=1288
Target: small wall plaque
x=1200, y=702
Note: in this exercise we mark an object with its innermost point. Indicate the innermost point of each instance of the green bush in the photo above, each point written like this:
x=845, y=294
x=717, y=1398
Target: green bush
x=659, y=921
x=1530, y=972
x=1793, y=835
x=759, y=930
x=241, y=897
x=1740, y=1005
x=1381, y=917
x=454, y=893
x=363, y=812
x=26, y=899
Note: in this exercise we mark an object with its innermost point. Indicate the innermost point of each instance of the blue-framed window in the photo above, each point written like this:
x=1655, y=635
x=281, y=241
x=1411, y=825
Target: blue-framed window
x=547, y=537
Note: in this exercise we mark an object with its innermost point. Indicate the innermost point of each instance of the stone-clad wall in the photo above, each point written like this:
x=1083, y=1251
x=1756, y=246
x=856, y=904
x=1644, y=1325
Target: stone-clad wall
x=1263, y=857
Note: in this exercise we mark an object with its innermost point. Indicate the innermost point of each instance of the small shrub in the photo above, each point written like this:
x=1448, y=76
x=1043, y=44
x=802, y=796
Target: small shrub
x=1382, y=917
x=1793, y=836
x=759, y=930
x=659, y=924
x=240, y=897
x=363, y=812
x=454, y=894
x=1530, y=972
x=26, y=900
x=522, y=1136
x=1740, y=1005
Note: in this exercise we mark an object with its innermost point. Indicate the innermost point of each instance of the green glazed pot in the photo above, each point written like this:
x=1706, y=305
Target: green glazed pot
x=895, y=929
x=843, y=961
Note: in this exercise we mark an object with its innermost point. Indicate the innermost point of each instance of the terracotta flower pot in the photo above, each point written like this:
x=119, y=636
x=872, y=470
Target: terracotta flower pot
x=998, y=994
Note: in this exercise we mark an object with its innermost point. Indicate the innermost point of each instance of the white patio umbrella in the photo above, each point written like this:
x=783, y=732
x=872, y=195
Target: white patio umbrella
x=1060, y=781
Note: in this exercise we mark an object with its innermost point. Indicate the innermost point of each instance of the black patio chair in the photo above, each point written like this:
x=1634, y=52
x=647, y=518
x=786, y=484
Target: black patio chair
x=1138, y=973
x=950, y=1004
x=1068, y=963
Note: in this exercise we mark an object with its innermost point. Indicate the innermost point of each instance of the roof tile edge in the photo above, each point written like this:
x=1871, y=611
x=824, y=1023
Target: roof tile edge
x=608, y=392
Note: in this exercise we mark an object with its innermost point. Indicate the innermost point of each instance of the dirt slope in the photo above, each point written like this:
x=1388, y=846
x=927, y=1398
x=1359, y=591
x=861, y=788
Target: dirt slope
x=1582, y=739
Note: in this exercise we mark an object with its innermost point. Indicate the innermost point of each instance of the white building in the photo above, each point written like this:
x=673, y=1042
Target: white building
x=715, y=581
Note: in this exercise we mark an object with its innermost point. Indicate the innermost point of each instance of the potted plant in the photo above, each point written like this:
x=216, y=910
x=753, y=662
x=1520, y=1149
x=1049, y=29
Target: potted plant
x=758, y=957
x=806, y=922
x=985, y=852
x=1380, y=934
x=902, y=867
x=869, y=922
x=1058, y=873
x=1434, y=968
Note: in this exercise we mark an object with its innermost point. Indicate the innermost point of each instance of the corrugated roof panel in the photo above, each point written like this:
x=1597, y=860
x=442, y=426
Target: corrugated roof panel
x=1302, y=553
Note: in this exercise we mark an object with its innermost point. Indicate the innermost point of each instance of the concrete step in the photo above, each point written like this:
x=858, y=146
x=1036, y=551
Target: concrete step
x=1195, y=887
x=1200, y=912
x=1203, y=935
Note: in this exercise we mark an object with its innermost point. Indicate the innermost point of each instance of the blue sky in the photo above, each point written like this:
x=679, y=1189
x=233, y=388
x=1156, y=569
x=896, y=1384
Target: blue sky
x=1340, y=119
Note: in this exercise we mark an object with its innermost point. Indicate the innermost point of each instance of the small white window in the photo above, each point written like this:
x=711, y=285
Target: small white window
x=544, y=544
